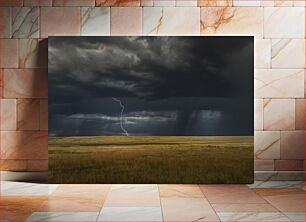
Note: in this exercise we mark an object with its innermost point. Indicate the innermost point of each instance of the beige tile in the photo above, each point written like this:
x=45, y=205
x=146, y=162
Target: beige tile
x=187, y=209
x=82, y=191
x=126, y=21
x=163, y=3
x=220, y=3
x=267, y=145
x=299, y=3
x=5, y=22
x=258, y=118
x=292, y=145
x=51, y=17
x=252, y=216
x=267, y=3
x=27, y=114
x=246, y=3
x=24, y=144
x=232, y=21
x=37, y=165
x=279, y=114
x=180, y=190
x=263, y=165
x=8, y=114
x=285, y=49
x=118, y=3
x=5, y=3
x=95, y=21
x=278, y=22
x=25, y=83
x=300, y=114
x=186, y=3
x=1, y=83
x=33, y=53
x=230, y=194
x=262, y=53
x=283, y=3
x=37, y=2
x=279, y=83
x=133, y=196
x=289, y=165
x=73, y=2
x=8, y=53
x=146, y=2
x=263, y=207
x=43, y=114
x=171, y=21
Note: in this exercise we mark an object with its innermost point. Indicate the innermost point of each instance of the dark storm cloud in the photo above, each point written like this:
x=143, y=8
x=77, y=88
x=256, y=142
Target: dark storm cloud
x=154, y=76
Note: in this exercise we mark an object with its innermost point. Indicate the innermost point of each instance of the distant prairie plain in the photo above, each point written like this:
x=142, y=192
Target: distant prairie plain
x=151, y=159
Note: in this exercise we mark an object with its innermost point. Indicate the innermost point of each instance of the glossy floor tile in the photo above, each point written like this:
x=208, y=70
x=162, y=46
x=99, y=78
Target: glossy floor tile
x=130, y=214
x=63, y=216
x=271, y=201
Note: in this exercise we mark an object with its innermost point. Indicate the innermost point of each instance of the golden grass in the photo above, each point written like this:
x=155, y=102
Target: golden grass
x=142, y=159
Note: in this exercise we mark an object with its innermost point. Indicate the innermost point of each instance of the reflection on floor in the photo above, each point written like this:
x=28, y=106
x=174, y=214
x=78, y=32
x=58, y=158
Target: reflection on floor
x=261, y=201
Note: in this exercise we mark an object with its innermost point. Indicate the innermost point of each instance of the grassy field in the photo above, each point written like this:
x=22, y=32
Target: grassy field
x=141, y=159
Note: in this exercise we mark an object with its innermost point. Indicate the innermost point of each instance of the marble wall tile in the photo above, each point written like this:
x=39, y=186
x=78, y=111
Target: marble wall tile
x=263, y=165
x=267, y=145
x=8, y=114
x=146, y=2
x=283, y=3
x=5, y=22
x=163, y=3
x=13, y=165
x=267, y=3
x=95, y=21
x=118, y=2
x=289, y=165
x=279, y=83
x=258, y=118
x=33, y=53
x=25, y=83
x=126, y=21
x=299, y=3
x=279, y=114
x=211, y=3
x=300, y=114
x=284, y=22
x=171, y=21
x=1, y=83
x=37, y=165
x=25, y=22
x=5, y=3
x=27, y=114
x=249, y=3
x=37, y=2
x=292, y=145
x=284, y=49
x=51, y=17
x=232, y=21
x=43, y=114
x=262, y=53
x=186, y=3
x=73, y=2
x=8, y=53
x=22, y=144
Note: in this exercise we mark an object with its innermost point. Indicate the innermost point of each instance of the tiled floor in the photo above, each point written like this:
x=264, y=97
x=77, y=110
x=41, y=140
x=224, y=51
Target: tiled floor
x=268, y=201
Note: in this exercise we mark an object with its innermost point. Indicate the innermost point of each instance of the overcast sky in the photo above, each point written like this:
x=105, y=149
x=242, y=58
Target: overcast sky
x=163, y=85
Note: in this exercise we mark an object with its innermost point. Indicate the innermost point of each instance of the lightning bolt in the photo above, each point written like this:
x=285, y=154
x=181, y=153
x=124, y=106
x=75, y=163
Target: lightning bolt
x=121, y=118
